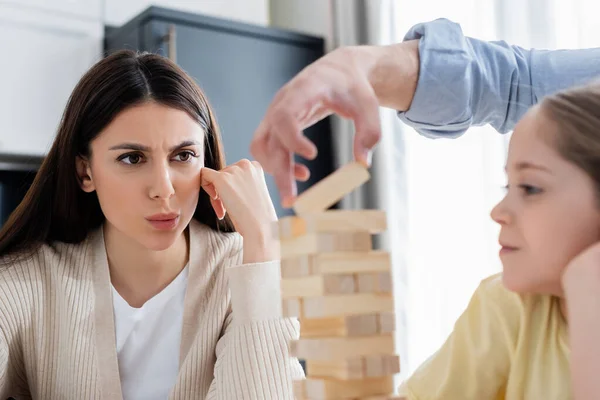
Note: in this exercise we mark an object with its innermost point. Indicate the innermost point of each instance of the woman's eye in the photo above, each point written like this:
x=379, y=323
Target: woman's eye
x=185, y=156
x=131, y=159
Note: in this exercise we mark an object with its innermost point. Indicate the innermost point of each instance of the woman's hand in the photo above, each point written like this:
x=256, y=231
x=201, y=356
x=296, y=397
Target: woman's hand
x=240, y=190
x=581, y=286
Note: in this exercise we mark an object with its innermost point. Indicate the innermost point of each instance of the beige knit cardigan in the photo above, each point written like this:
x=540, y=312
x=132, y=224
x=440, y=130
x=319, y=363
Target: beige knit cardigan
x=57, y=333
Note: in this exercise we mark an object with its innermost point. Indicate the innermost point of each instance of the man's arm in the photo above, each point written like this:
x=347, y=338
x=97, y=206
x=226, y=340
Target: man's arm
x=465, y=81
x=440, y=81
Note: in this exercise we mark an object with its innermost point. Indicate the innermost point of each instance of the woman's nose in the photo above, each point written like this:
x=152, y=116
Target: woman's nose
x=161, y=184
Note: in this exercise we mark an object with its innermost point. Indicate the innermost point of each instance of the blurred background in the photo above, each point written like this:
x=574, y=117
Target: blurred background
x=438, y=193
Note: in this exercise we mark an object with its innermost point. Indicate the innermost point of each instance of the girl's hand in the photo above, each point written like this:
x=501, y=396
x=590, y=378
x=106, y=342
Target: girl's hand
x=581, y=286
x=240, y=189
x=583, y=272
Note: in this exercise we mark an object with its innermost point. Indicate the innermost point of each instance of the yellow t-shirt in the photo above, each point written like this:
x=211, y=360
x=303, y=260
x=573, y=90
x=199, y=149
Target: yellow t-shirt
x=505, y=346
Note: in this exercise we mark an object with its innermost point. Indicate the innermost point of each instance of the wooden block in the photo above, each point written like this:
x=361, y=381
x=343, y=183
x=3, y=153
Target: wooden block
x=326, y=242
x=352, y=325
x=372, y=221
x=292, y=308
x=335, y=263
x=331, y=189
x=324, y=389
x=318, y=285
x=384, y=280
x=352, y=368
x=386, y=322
x=341, y=348
x=361, y=325
x=350, y=262
x=374, y=282
x=366, y=282
x=296, y=267
x=372, y=366
x=381, y=365
x=299, y=389
x=289, y=227
x=338, y=305
x=308, y=286
x=375, y=397
x=339, y=283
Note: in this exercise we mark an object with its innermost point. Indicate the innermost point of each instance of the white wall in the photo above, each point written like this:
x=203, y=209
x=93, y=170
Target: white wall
x=307, y=16
x=48, y=45
x=118, y=12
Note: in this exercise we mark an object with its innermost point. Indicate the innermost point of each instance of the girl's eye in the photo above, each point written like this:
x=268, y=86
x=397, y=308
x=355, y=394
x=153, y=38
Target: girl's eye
x=185, y=156
x=527, y=189
x=530, y=190
x=131, y=158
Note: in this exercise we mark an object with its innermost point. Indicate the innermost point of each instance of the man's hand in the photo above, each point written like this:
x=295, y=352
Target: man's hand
x=351, y=82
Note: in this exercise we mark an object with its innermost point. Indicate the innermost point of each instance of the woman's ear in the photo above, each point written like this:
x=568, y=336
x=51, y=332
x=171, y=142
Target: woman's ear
x=84, y=174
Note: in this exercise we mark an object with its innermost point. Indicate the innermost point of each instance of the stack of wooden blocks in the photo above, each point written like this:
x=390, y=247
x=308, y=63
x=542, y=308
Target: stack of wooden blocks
x=340, y=289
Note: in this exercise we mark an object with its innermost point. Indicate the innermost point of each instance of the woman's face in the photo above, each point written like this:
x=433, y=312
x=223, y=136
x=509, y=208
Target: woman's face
x=145, y=168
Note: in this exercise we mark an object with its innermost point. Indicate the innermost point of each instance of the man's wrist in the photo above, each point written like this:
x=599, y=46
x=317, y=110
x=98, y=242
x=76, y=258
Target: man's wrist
x=395, y=73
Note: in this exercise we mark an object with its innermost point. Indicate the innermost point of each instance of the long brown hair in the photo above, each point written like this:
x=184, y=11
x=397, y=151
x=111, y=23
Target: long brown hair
x=576, y=113
x=55, y=208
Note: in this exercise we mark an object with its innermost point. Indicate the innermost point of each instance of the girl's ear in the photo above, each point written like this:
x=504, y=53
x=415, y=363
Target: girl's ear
x=84, y=174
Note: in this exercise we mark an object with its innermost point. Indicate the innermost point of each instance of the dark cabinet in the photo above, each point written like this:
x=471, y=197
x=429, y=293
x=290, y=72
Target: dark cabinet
x=239, y=66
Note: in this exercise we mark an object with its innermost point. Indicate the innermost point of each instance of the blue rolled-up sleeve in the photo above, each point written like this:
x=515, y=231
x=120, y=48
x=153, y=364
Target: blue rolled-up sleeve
x=466, y=82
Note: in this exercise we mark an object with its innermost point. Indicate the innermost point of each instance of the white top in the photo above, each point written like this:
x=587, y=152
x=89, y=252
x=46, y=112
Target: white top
x=148, y=341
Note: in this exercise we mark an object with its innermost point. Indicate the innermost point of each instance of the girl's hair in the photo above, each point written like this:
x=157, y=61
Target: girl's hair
x=55, y=208
x=576, y=112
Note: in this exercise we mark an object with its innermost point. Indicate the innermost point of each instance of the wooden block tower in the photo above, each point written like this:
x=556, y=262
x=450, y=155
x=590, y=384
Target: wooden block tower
x=340, y=289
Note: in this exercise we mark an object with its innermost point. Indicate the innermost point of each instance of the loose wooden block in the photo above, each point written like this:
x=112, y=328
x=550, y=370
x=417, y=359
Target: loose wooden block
x=352, y=325
x=372, y=366
x=331, y=189
x=326, y=243
x=341, y=348
x=374, y=282
x=372, y=221
x=318, y=285
x=335, y=263
x=324, y=389
x=338, y=305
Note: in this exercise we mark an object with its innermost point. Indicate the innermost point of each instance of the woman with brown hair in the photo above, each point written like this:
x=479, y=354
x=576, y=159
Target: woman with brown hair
x=139, y=266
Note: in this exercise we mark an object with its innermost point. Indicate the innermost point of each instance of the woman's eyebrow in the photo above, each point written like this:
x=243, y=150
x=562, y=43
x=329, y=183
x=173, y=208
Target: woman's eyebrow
x=140, y=147
x=185, y=143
